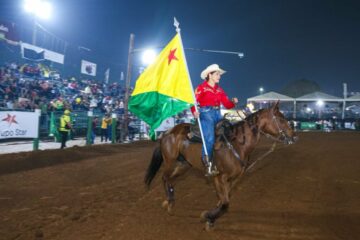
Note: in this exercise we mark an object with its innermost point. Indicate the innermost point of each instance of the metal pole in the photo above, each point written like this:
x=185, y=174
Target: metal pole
x=239, y=54
x=344, y=102
x=113, y=127
x=176, y=24
x=34, y=33
x=89, y=129
x=36, y=140
x=127, y=84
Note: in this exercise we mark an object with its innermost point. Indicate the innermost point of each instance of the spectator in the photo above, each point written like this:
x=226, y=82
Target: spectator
x=132, y=129
x=93, y=129
x=65, y=127
x=120, y=134
x=104, y=125
x=109, y=128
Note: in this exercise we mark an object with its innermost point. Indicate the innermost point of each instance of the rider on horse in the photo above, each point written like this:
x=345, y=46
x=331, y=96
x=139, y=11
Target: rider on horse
x=209, y=96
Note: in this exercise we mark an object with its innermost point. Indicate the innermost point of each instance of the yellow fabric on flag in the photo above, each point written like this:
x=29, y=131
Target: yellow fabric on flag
x=168, y=74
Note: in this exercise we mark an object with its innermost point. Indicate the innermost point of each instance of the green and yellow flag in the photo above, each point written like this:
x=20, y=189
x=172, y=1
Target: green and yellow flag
x=164, y=88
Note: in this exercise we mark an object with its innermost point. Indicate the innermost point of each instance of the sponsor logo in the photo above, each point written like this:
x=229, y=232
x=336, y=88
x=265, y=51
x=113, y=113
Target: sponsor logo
x=89, y=69
x=13, y=133
x=10, y=119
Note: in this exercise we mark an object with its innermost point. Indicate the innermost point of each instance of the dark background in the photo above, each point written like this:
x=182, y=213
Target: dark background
x=283, y=41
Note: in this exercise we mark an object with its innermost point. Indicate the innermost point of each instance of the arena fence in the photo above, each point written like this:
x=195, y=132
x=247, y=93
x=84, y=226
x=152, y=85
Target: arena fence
x=80, y=121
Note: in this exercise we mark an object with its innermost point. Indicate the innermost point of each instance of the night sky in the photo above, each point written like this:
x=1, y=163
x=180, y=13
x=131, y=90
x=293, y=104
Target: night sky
x=283, y=40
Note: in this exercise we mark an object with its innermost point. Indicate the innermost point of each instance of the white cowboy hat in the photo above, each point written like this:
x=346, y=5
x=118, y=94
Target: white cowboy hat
x=211, y=68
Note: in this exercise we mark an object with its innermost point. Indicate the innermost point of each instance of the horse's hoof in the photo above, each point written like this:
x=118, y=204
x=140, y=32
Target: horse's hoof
x=209, y=226
x=204, y=216
x=168, y=207
x=165, y=204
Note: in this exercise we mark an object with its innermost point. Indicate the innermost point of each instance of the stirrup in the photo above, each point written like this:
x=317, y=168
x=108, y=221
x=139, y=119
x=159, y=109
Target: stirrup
x=211, y=171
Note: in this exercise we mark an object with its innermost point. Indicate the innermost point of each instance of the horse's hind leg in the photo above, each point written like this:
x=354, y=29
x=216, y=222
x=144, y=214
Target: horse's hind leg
x=222, y=186
x=169, y=180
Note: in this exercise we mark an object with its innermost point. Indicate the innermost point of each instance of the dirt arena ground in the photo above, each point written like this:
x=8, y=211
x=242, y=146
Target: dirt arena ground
x=310, y=190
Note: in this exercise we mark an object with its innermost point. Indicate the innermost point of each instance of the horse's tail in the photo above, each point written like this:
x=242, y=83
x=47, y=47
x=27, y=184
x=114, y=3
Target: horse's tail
x=154, y=166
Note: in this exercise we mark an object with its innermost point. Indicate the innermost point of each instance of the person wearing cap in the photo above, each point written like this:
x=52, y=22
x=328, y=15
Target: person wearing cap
x=209, y=97
x=105, y=122
x=65, y=127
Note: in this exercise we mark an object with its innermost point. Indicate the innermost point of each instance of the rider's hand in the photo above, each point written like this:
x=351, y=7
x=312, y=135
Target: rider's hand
x=196, y=114
x=235, y=100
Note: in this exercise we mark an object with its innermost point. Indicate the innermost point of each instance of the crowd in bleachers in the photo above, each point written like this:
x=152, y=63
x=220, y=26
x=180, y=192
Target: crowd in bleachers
x=32, y=86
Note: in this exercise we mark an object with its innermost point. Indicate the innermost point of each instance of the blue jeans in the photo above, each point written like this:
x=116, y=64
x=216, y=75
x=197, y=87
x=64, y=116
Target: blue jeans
x=209, y=117
x=93, y=135
x=109, y=132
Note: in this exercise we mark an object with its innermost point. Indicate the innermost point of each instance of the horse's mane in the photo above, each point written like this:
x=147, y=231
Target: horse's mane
x=250, y=119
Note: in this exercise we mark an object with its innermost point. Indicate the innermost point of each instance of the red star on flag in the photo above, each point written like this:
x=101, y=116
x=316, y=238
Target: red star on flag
x=172, y=56
x=10, y=119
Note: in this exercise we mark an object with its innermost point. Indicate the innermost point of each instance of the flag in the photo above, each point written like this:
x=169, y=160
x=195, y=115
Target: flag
x=88, y=68
x=164, y=88
x=107, y=74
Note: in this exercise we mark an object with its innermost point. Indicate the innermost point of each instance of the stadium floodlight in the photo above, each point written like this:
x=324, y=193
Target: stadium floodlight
x=30, y=5
x=148, y=56
x=39, y=8
x=320, y=103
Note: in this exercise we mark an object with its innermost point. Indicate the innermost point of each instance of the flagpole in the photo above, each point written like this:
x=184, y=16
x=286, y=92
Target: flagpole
x=176, y=24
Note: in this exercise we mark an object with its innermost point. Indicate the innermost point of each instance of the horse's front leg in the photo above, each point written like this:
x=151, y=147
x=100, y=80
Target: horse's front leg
x=222, y=187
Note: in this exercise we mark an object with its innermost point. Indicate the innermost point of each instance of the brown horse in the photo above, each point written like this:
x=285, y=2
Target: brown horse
x=231, y=154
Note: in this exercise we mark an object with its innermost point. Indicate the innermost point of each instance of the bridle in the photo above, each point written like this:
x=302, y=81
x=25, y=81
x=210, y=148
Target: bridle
x=282, y=137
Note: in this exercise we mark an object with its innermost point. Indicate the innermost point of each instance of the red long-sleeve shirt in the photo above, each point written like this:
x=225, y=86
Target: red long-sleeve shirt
x=207, y=95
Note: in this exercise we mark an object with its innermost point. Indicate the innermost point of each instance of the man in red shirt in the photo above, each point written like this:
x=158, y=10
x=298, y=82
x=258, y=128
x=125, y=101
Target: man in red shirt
x=210, y=96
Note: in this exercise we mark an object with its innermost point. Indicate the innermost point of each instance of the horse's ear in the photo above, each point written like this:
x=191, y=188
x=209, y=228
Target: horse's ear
x=275, y=107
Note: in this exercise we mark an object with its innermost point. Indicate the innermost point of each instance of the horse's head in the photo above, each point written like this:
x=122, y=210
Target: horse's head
x=277, y=126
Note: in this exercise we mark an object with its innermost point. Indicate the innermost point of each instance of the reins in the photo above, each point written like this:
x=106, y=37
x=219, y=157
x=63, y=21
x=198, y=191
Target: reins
x=271, y=149
x=231, y=147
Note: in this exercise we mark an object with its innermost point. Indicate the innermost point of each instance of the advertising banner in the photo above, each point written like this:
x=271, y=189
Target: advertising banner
x=88, y=68
x=40, y=53
x=19, y=124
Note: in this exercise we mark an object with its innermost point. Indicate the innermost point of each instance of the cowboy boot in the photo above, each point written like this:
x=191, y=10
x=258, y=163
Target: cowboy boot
x=211, y=169
x=205, y=161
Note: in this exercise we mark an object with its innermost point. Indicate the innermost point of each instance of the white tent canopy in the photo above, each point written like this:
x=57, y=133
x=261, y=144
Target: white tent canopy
x=354, y=98
x=270, y=96
x=311, y=97
x=315, y=96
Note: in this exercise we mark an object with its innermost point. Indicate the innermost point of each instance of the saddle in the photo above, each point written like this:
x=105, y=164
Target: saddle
x=194, y=135
x=224, y=132
x=224, y=128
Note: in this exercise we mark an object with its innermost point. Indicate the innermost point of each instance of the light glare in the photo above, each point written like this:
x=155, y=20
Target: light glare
x=44, y=10
x=39, y=8
x=320, y=103
x=148, y=56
